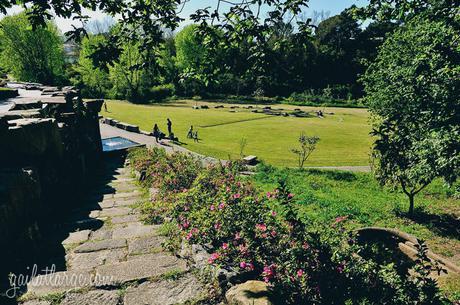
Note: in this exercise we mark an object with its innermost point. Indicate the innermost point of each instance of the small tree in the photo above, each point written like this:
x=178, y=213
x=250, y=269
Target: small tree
x=243, y=144
x=412, y=90
x=307, y=146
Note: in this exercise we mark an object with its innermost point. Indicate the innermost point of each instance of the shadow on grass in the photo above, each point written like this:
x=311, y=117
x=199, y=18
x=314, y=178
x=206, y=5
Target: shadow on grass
x=446, y=225
x=333, y=175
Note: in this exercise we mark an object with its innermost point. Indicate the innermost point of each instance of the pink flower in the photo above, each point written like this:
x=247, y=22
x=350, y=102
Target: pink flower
x=290, y=195
x=305, y=246
x=222, y=206
x=261, y=227
x=217, y=226
x=214, y=257
x=269, y=272
x=243, y=249
x=228, y=189
x=269, y=194
x=237, y=196
x=340, y=268
x=243, y=265
x=264, y=235
x=274, y=213
x=340, y=219
x=300, y=272
x=184, y=190
x=225, y=246
x=185, y=224
x=237, y=236
x=273, y=233
x=212, y=207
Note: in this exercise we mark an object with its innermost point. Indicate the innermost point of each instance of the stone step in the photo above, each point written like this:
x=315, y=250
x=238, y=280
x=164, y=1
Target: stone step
x=106, y=244
x=143, y=267
x=185, y=290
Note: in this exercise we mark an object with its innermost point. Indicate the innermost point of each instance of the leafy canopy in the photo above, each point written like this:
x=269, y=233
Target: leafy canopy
x=36, y=56
x=413, y=91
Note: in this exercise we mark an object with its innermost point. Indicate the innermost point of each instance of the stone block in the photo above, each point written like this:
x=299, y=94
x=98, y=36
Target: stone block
x=251, y=292
x=94, y=297
x=143, y=267
x=106, y=244
x=167, y=292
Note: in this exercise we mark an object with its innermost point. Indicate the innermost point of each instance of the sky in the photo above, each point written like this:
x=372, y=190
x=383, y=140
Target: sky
x=332, y=6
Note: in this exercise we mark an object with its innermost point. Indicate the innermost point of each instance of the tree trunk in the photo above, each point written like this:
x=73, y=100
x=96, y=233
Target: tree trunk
x=411, y=203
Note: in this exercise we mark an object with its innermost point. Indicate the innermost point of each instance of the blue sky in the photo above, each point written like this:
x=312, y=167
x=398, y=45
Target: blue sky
x=332, y=6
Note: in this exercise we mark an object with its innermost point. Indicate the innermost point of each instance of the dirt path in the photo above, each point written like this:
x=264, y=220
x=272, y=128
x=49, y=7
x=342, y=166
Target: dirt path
x=111, y=257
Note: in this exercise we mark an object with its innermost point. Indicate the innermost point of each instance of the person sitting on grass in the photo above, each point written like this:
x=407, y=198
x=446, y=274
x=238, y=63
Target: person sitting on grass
x=195, y=136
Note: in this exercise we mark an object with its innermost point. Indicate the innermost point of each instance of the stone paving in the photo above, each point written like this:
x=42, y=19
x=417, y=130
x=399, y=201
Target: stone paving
x=120, y=262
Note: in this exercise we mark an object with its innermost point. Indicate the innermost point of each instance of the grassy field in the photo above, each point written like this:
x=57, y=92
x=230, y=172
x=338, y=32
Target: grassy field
x=325, y=195
x=345, y=139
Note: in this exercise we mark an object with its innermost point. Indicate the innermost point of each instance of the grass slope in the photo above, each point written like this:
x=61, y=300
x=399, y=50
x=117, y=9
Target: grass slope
x=345, y=139
x=325, y=195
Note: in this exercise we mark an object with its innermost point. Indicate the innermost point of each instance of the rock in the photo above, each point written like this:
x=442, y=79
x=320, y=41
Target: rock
x=77, y=237
x=144, y=245
x=95, y=259
x=166, y=292
x=125, y=202
x=134, y=230
x=143, y=267
x=125, y=219
x=94, y=297
x=251, y=292
x=250, y=160
x=115, y=212
x=36, y=302
x=102, y=234
x=107, y=244
x=59, y=282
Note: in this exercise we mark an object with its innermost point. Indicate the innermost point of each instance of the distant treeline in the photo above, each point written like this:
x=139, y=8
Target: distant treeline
x=322, y=69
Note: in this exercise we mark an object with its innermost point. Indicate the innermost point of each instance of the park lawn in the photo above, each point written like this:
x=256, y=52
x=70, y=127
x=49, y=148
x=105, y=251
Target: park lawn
x=345, y=139
x=325, y=195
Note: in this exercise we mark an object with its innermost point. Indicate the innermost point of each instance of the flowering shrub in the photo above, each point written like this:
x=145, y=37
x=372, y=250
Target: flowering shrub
x=262, y=235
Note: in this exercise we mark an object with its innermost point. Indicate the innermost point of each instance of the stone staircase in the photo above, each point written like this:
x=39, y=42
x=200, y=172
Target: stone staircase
x=111, y=257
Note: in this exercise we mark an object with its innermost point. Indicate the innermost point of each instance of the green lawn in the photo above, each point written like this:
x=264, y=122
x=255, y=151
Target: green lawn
x=345, y=139
x=325, y=195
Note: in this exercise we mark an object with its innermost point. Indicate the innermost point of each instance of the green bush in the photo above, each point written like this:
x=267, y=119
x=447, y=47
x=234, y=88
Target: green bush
x=161, y=92
x=262, y=235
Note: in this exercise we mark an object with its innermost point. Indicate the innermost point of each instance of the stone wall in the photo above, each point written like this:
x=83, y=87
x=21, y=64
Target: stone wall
x=48, y=146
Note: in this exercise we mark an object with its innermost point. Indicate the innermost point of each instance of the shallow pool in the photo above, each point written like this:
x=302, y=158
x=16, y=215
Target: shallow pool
x=118, y=143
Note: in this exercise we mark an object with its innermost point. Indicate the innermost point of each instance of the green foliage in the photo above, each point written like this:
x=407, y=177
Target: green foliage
x=31, y=55
x=410, y=90
x=189, y=49
x=307, y=146
x=93, y=81
x=305, y=261
x=161, y=92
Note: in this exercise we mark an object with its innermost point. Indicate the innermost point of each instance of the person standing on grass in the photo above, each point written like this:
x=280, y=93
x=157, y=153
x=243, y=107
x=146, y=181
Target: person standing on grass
x=190, y=132
x=156, y=132
x=169, y=123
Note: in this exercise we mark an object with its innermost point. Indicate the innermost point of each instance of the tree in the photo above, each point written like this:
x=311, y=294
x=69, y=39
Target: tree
x=307, y=146
x=93, y=80
x=129, y=78
x=36, y=56
x=413, y=92
x=337, y=42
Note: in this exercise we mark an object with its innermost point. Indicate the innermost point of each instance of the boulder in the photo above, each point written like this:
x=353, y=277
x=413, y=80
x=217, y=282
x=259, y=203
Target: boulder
x=250, y=292
x=250, y=160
